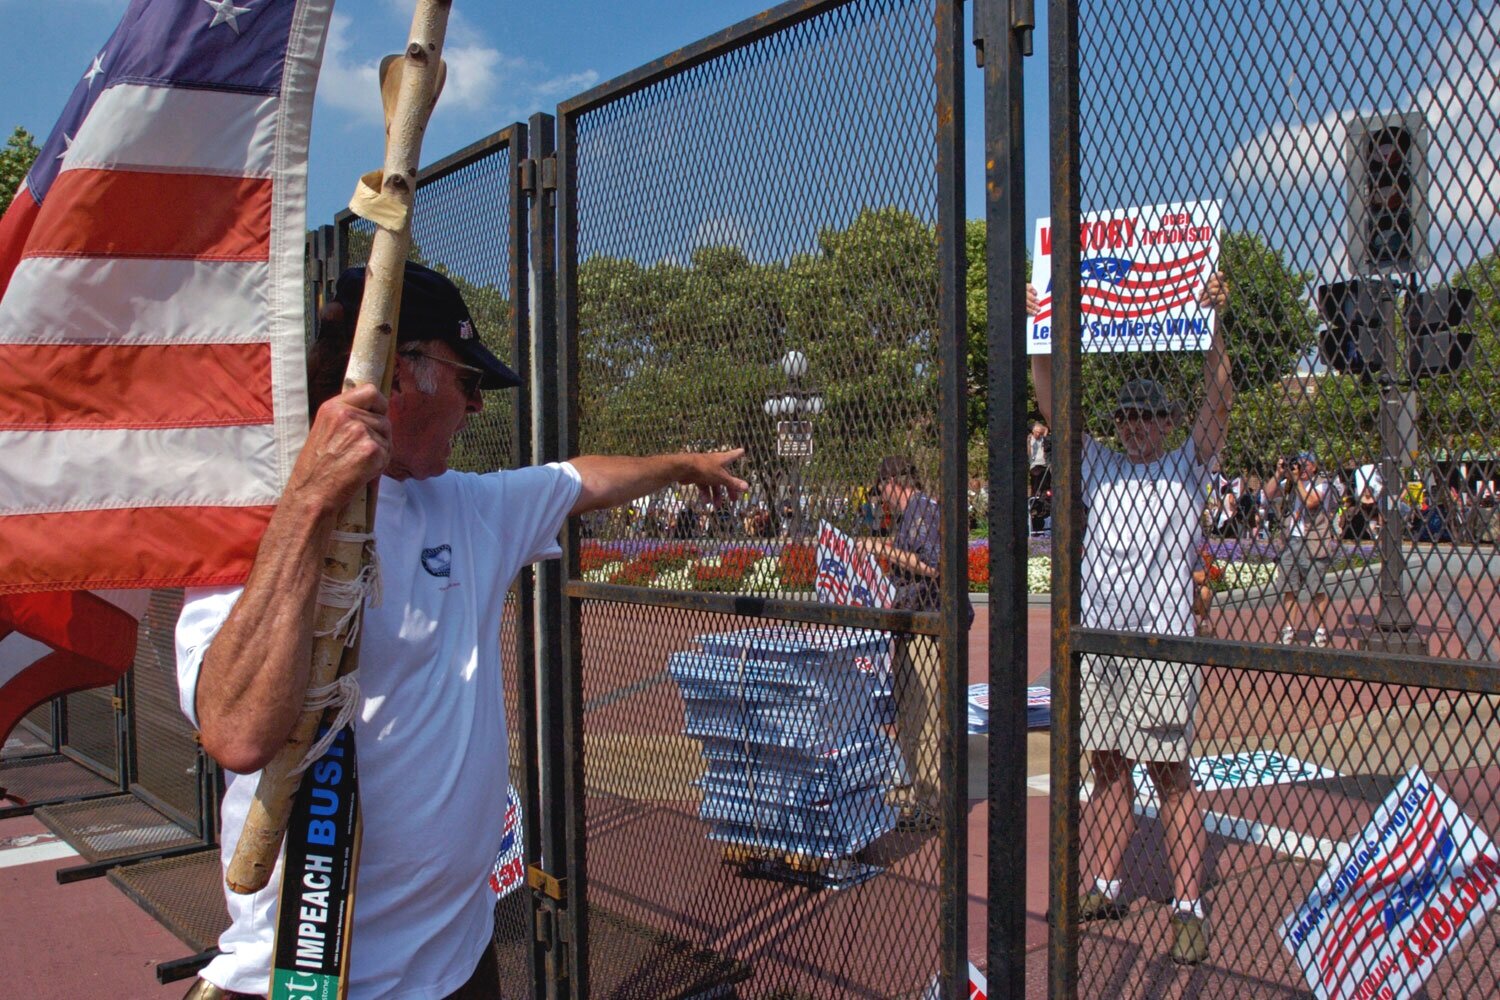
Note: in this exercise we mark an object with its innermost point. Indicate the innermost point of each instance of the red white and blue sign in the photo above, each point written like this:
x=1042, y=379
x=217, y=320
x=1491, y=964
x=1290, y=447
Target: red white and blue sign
x=510, y=864
x=1396, y=900
x=1141, y=273
x=848, y=576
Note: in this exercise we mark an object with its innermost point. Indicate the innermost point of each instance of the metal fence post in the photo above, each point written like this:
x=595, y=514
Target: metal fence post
x=999, y=41
x=953, y=407
x=1067, y=519
x=550, y=957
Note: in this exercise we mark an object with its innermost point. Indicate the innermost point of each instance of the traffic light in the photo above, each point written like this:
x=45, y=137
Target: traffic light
x=1355, y=313
x=1388, y=179
x=1439, y=338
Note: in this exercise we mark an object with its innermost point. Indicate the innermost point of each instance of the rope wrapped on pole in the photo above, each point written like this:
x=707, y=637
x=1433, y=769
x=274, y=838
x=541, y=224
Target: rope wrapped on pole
x=410, y=84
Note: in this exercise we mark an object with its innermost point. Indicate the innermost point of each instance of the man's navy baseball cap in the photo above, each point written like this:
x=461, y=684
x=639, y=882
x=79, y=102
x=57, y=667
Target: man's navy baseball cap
x=432, y=308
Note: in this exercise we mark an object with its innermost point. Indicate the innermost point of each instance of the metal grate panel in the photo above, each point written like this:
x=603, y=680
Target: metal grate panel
x=167, y=756
x=807, y=314
x=120, y=827
x=636, y=960
x=1276, y=289
x=93, y=730
x=48, y=779
x=185, y=894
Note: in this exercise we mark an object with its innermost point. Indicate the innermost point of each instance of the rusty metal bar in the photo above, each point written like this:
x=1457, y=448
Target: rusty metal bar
x=953, y=760
x=1067, y=522
x=1005, y=219
x=1339, y=664
x=737, y=36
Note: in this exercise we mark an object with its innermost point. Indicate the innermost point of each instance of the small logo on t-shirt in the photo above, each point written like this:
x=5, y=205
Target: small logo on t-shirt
x=438, y=561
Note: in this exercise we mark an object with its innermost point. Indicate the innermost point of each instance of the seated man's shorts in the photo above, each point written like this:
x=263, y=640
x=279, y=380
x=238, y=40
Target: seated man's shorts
x=1302, y=572
x=1143, y=709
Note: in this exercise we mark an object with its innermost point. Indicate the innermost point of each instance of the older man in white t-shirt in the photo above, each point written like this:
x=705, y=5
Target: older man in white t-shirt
x=430, y=718
x=1144, y=508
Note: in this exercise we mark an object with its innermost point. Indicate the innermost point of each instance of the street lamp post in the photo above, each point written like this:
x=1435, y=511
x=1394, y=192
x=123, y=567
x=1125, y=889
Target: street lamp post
x=793, y=409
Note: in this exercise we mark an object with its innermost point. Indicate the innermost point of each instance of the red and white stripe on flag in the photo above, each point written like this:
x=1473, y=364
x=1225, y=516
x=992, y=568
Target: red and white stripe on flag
x=152, y=387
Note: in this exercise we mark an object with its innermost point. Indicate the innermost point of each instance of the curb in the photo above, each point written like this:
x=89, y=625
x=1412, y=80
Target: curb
x=1250, y=595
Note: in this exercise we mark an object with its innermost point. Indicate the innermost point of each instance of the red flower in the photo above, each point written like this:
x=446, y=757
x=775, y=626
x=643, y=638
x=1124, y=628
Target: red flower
x=799, y=565
x=979, y=565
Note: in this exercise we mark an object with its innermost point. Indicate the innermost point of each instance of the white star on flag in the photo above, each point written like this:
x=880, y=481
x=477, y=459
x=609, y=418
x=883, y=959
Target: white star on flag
x=67, y=145
x=95, y=69
x=225, y=12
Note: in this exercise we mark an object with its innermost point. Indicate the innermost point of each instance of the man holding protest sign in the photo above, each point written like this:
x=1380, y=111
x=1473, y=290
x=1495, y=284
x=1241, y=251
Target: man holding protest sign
x=1145, y=507
x=429, y=709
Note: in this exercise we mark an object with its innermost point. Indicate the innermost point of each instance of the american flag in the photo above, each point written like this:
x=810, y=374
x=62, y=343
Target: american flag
x=152, y=392
x=1121, y=288
x=1118, y=288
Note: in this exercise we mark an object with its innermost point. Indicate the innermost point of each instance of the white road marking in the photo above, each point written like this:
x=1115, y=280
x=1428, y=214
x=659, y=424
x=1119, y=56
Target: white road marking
x=32, y=853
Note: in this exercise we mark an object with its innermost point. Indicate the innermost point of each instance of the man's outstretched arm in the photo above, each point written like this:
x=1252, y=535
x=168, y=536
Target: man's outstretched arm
x=612, y=480
x=1212, y=423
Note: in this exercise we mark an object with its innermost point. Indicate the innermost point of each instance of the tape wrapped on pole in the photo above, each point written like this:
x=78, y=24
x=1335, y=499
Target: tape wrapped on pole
x=416, y=80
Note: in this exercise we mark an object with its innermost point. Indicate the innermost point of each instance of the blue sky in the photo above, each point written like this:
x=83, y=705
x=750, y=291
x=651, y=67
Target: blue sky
x=1182, y=100
x=506, y=61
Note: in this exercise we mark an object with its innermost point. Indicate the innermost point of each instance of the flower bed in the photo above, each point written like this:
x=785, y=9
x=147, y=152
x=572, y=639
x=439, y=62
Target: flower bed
x=775, y=567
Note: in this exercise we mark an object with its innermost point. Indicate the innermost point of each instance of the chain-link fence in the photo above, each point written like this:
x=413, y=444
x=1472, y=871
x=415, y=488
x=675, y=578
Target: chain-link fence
x=759, y=238
x=1274, y=275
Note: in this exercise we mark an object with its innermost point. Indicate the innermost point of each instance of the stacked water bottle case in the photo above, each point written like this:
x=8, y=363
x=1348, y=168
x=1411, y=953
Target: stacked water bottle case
x=798, y=762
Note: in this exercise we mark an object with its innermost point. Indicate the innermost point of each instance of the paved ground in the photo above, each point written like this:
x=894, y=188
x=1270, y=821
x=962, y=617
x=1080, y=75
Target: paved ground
x=651, y=864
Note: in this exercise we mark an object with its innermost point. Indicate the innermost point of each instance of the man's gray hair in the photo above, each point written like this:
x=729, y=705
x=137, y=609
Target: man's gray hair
x=424, y=373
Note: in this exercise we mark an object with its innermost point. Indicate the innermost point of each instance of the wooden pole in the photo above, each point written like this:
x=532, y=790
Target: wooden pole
x=409, y=90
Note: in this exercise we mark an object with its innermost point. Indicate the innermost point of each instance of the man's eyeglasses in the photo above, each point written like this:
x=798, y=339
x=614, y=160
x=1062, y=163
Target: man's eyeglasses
x=468, y=381
x=1129, y=416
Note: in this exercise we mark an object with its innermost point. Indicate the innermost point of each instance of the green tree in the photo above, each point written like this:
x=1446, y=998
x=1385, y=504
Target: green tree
x=16, y=157
x=685, y=354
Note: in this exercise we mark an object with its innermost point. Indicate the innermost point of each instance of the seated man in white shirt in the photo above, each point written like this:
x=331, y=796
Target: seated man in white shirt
x=430, y=720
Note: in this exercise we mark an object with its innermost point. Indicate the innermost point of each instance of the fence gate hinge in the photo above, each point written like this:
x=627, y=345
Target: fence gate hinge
x=532, y=173
x=552, y=929
x=1022, y=23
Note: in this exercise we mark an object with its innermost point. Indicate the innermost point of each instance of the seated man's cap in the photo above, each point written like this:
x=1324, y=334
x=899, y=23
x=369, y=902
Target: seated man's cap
x=1147, y=395
x=433, y=309
x=1307, y=456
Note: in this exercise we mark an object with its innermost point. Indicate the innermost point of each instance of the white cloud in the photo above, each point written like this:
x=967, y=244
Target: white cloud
x=1291, y=178
x=344, y=82
x=485, y=86
x=561, y=87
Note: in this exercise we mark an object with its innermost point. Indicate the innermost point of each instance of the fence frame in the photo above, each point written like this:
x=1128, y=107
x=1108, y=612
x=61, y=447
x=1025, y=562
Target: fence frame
x=1070, y=639
x=949, y=625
